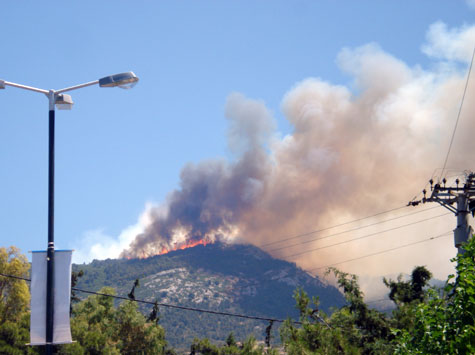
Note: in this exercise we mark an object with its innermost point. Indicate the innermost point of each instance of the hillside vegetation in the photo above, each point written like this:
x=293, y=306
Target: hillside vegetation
x=233, y=278
x=425, y=320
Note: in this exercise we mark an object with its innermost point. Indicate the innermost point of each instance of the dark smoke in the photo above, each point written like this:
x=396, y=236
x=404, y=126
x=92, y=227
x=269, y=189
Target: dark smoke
x=352, y=152
x=214, y=195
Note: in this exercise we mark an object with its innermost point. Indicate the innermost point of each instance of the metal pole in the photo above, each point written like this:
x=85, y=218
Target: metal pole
x=50, y=250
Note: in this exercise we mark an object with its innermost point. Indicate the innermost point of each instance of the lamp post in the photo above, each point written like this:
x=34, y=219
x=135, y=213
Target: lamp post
x=62, y=101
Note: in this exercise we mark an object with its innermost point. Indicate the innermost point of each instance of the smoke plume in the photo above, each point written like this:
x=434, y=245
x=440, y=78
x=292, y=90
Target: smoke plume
x=355, y=150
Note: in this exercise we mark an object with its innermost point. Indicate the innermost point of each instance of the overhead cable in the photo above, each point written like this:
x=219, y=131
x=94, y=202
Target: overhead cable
x=376, y=301
x=168, y=305
x=365, y=236
x=327, y=228
x=352, y=230
x=383, y=251
x=459, y=112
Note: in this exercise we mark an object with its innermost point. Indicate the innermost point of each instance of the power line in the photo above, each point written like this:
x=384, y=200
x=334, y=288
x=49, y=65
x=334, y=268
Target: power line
x=365, y=236
x=384, y=251
x=187, y=308
x=376, y=301
x=459, y=112
x=351, y=230
x=324, y=229
x=166, y=305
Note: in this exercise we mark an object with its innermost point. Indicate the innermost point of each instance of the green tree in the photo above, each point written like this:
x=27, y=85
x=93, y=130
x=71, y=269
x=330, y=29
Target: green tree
x=318, y=334
x=248, y=347
x=101, y=328
x=93, y=326
x=14, y=303
x=230, y=341
x=135, y=334
x=74, y=281
x=373, y=326
x=203, y=346
x=14, y=294
x=445, y=324
x=353, y=329
x=409, y=291
x=407, y=295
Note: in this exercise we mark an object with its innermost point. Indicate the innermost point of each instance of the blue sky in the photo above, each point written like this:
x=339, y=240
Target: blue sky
x=119, y=149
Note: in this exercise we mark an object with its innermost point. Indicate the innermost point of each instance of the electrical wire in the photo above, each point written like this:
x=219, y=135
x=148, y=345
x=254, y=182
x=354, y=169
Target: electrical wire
x=376, y=301
x=331, y=227
x=352, y=230
x=365, y=236
x=227, y=313
x=459, y=112
x=166, y=305
x=256, y=317
x=188, y=308
x=384, y=251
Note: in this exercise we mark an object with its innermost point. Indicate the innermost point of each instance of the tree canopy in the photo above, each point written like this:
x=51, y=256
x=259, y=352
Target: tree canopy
x=445, y=324
x=14, y=303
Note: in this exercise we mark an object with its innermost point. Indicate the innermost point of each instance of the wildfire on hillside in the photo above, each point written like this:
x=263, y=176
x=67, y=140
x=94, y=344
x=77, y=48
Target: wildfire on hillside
x=176, y=246
x=189, y=244
x=351, y=151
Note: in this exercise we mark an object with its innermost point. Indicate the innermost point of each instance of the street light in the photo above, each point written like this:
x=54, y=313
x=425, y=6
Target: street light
x=62, y=101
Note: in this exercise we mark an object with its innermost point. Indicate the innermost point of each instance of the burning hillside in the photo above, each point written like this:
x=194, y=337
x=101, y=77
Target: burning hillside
x=361, y=148
x=174, y=247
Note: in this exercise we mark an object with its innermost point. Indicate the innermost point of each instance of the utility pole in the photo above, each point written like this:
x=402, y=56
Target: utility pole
x=464, y=199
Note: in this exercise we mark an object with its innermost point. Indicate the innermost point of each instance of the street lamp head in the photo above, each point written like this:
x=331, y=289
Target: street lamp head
x=122, y=80
x=2, y=84
x=63, y=102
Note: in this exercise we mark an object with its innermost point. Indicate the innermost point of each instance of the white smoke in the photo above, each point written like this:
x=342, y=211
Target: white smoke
x=96, y=244
x=454, y=44
x=355, y=150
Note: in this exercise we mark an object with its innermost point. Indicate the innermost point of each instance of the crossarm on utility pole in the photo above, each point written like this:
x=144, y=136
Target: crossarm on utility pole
x=463, y=197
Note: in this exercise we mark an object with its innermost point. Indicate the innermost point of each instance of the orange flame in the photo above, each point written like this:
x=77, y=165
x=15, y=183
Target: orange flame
x=184, y=246
x=176, y=246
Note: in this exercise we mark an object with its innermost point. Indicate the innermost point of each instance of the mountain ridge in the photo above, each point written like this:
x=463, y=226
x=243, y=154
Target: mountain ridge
x=232, y=278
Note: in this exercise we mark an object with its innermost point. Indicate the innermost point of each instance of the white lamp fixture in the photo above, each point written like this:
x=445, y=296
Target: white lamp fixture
x=122, y=80
x=64, y=102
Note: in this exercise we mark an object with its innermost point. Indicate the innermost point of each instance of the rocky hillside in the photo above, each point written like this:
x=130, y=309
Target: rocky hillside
x=232, y=278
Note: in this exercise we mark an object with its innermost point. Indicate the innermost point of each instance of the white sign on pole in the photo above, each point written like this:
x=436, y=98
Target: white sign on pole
x=62, y=297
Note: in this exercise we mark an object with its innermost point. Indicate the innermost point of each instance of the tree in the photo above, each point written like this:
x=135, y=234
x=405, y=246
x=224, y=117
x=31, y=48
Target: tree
x=317, y=335
x=353, y=329
x=74, y=280
x=407, y=295
x=14, y=294
x=373, y=325
x=445, y=324
x=408, y=291
x=248, y=347
x=230, y=341
x=135, y=334
x=92, y=326
x=99, y=327
x=203, y=346
x=14, y=303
